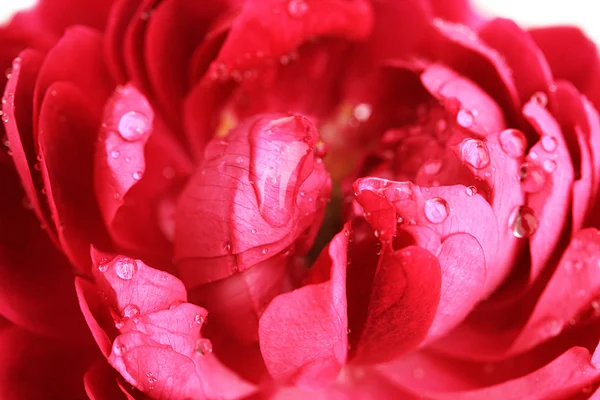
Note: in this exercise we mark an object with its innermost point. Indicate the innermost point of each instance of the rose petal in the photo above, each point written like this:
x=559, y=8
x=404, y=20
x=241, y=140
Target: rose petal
x=100, y=382
x=255, y=34
x=303, y=334
x=405, y=296
x=67, y=136
x=530, y=70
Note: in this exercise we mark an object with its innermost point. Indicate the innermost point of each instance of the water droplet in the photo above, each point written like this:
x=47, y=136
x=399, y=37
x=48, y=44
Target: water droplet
x=400, y=220
x=432, y=167
x=513, y=142
x=239, y=160
x=115, y=154
x=204, y=346
x=254, y=231
x=137, y=175
x=532, y=177
x=8, y=73
x=471, y=190
x=131, y=311
x=465, y=118
x=297, y=8
x=103, y=266
x=540, y=98
x=475, y=153
x=118, y=348
x=362, y=112
x=549, y=143
x=126, y=268
x=151, y=378
x=376, y=233
x=436, y=210
x=198, y=319
x=549, y=166
x=134, y=126
x=119, y=324
x=302, y=193
x=523, y=222
x=264, y=251
x=227, y=246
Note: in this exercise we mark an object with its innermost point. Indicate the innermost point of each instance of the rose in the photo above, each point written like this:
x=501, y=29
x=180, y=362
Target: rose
x=139, y=168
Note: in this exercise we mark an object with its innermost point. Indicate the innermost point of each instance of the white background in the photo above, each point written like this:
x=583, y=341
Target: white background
x=582, y=13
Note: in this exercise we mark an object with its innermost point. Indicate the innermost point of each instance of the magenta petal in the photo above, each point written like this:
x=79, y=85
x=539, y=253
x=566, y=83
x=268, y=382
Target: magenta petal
x=256, y=33
x=445, y=84
x=403, y=303
x=530, y=70
x=266, y=171
x=95, y=313
x=463, y=268
x=134, y=283
x=303, y=334
x=551, y=205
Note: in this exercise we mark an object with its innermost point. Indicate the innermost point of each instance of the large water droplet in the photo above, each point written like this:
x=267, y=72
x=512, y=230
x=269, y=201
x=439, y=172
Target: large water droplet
x=436, y=210
x=475, y=153
x=523, y=222
x=204, y=346
x=549, y=143
x=532, y=177
x=297, y=8
x=126, y=268
x=465, y=118
x=513, y=142
x=362, y=112
x=549, y=166
x=131, y=311
x=134, y=126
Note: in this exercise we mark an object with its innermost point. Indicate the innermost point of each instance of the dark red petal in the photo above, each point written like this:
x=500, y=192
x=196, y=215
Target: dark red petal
x=256, y=33
x=185, y=23
x=303, y=334
x=460, y=11
x=67, y=137
x=405, y=296
x=530, y=71
x=100, y=382
x=97, y=316
x=36, y=367
x=36, y=281
x=551, y=205
x=77, y=58
x=118, y=21
x=572, y=56
x=16, y=111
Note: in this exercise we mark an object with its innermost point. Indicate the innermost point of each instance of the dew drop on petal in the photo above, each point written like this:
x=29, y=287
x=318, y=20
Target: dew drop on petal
x=549, y=166
x=297, y=8
x=532, y=177
x=137, y=175
x=254, y=231
x=131, y=311
x=115, y=154
x=465, y=118
x=471, y=191
x=119, y=323
x=264, y=251
x=362, y=112
x=134, y=126
x=151, y=378
x=513, y=142
x=103, y=265
x=549, y=143
x=126, y=268
x=540, y=98
x=118, y=348
x=227, y=246
x=436, y=210
x=475, y=153
x=204, y=346
x=523, y=222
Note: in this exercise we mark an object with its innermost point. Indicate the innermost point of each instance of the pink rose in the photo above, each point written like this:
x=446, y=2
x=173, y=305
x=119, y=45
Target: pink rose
x=297, y=199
